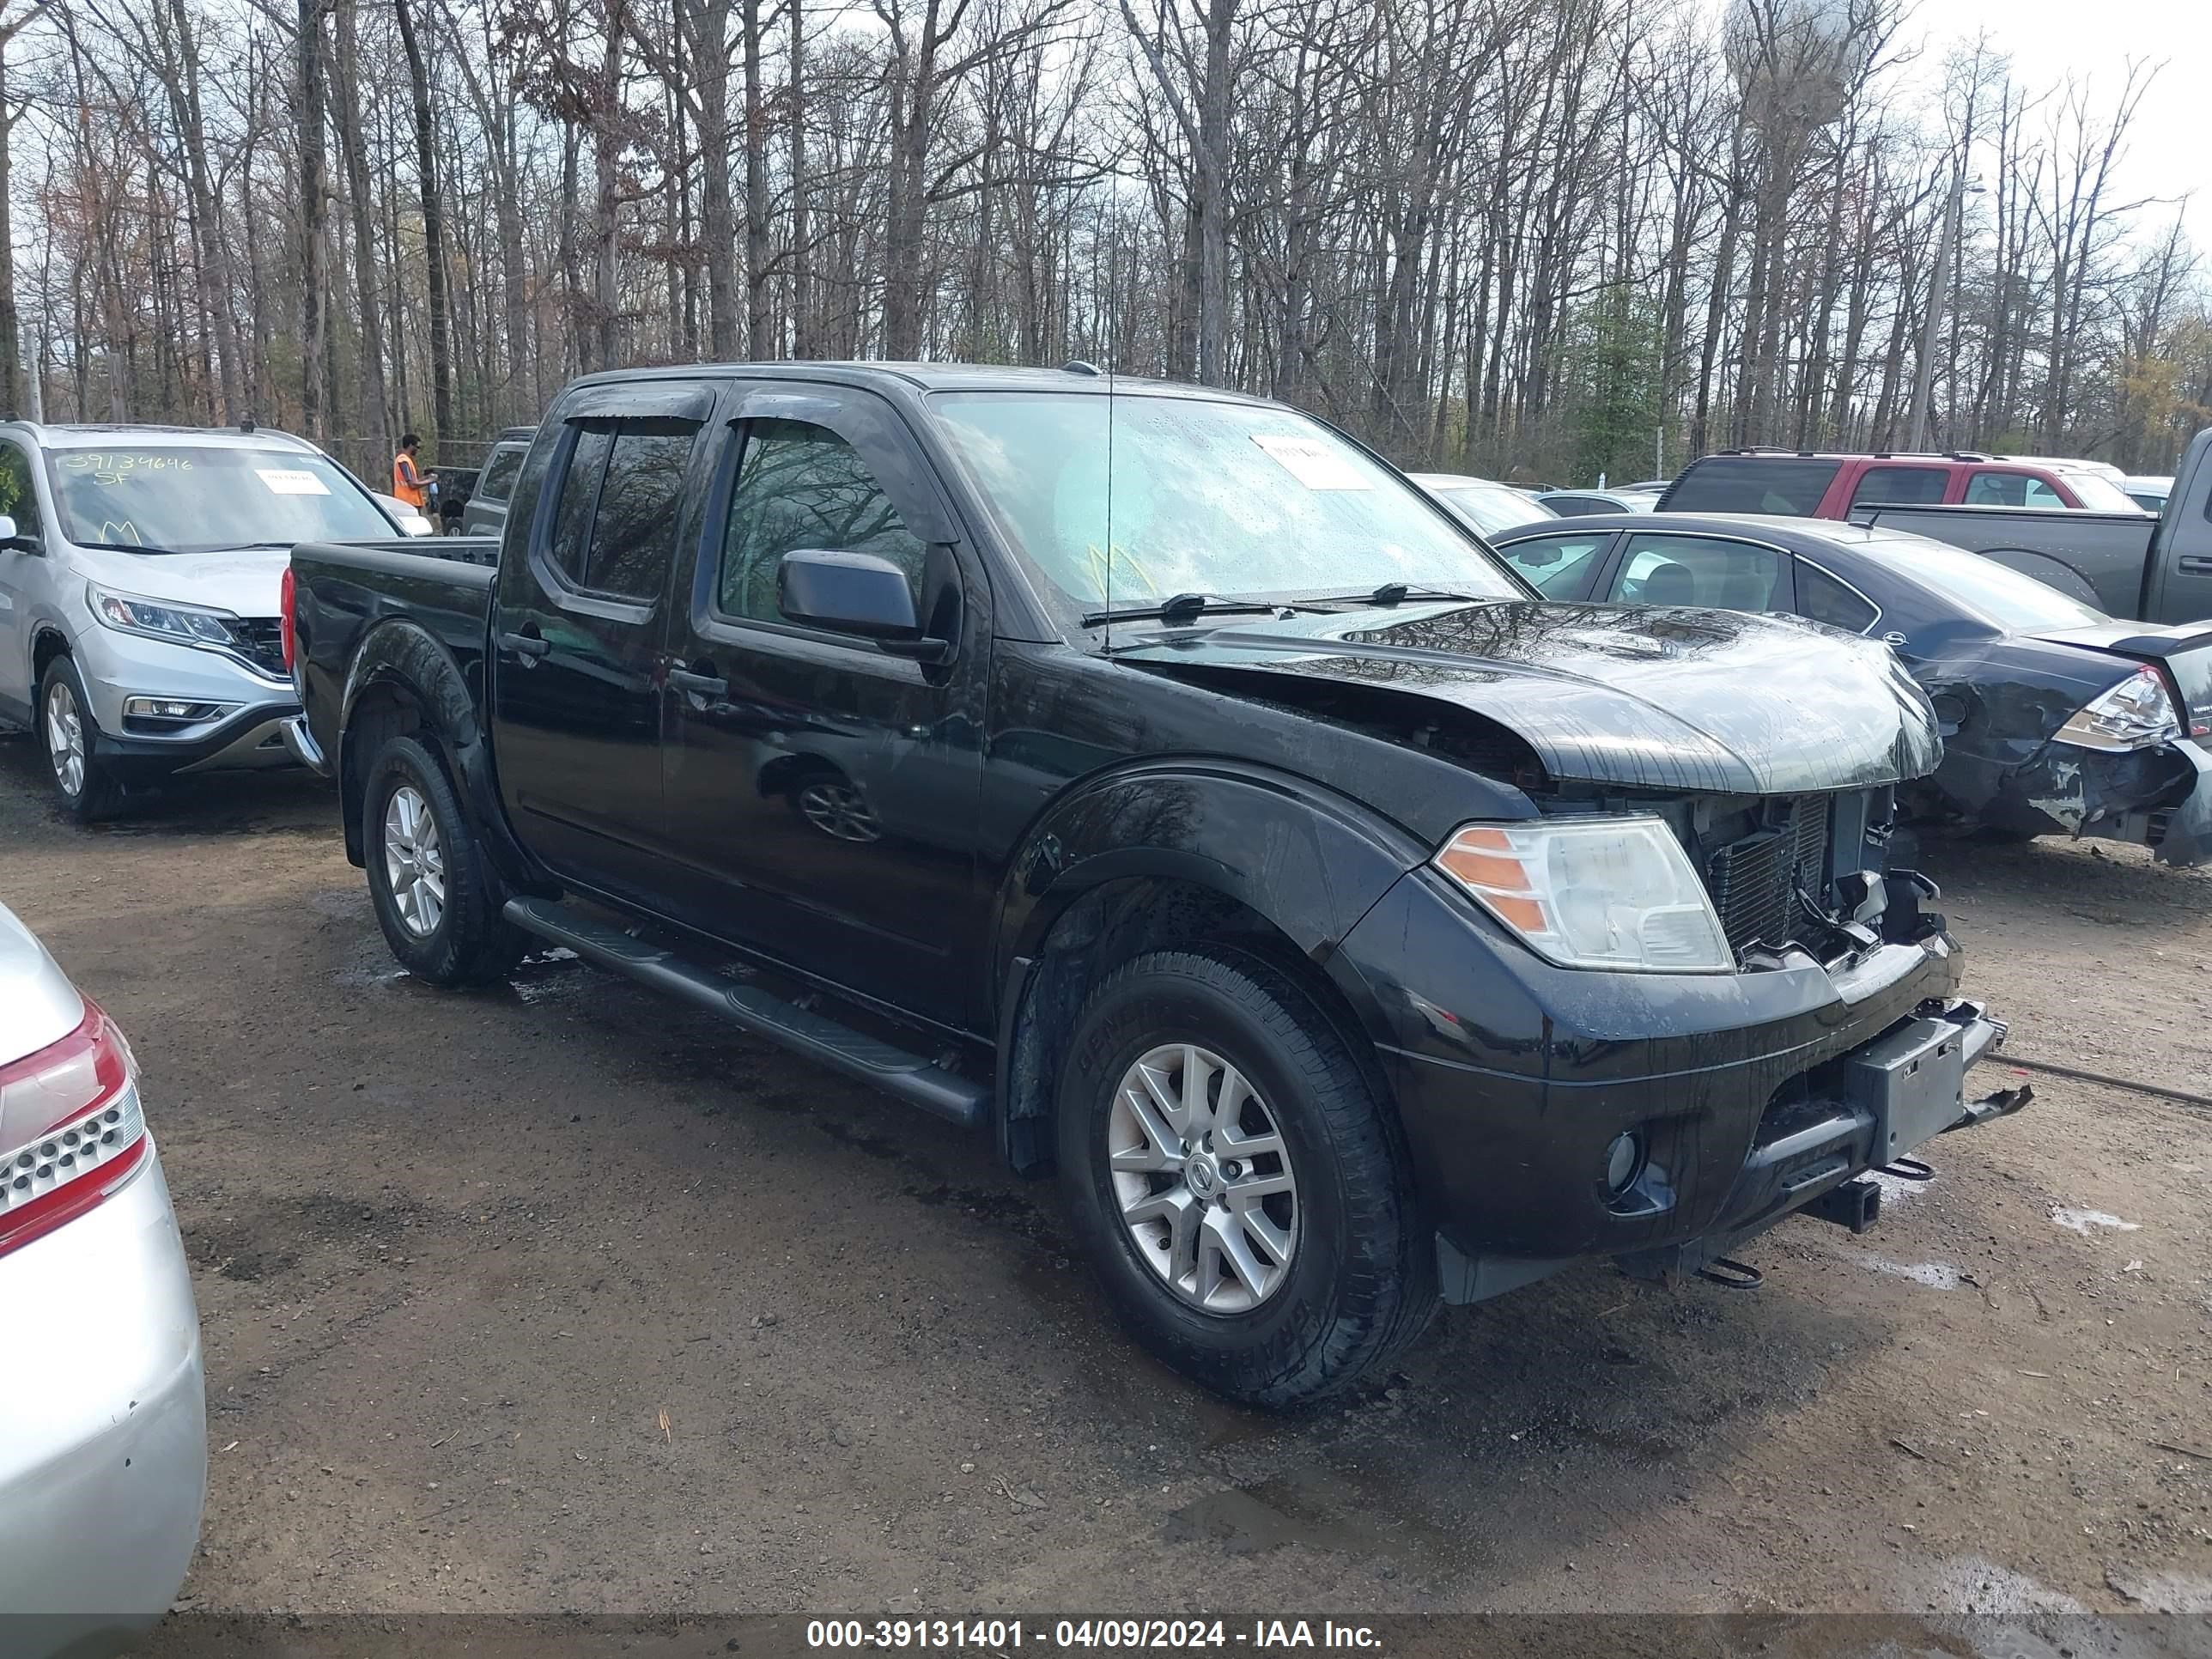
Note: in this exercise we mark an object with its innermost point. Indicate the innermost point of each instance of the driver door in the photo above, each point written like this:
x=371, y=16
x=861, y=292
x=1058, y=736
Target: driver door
x=821, y=791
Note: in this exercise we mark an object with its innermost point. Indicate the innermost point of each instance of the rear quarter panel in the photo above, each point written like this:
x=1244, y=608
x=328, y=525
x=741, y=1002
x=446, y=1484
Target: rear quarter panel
x=343, y=591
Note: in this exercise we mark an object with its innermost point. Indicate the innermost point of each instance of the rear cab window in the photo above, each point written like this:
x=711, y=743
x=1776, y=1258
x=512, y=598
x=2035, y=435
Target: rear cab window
x=1792, y=486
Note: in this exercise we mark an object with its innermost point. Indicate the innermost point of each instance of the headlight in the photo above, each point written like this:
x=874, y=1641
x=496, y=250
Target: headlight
x=2134, y=714
x=1602, y=892
x=181, y=624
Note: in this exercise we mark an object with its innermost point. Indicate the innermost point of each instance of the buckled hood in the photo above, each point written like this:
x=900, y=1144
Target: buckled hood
x=1697, y=702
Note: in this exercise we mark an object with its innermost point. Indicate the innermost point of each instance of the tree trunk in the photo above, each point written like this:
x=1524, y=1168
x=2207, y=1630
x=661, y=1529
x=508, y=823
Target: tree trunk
x=802, y=253
x=434, y=227
x=374, y=407
x=757, y=205
x=313, y=206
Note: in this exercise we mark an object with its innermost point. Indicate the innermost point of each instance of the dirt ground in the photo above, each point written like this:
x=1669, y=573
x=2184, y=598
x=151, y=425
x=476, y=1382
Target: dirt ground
x=556, y=1297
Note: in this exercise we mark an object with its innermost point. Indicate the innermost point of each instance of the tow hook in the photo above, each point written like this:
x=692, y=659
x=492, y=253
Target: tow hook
x=1856, y=1205
x=1990, y=1108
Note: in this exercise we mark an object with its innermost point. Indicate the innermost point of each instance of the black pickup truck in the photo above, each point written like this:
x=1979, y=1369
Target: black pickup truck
x=2125, y=564
x=1155, y=777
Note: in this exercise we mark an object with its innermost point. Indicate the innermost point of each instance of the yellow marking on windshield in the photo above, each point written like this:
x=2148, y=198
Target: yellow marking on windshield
x=1123, y=567
x=111, y=531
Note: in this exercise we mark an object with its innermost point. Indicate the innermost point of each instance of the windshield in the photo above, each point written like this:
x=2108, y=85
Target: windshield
x=193, y=499
x=1492, y=507
x=2099, y=494
x=1216, y=498
x=1997, y=593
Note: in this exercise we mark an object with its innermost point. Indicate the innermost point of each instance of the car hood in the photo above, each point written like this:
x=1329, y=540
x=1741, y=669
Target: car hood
x=1697, y=701
x=247, y=583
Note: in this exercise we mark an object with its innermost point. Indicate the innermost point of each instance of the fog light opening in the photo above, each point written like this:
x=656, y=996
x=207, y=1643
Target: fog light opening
x=1624, y=1162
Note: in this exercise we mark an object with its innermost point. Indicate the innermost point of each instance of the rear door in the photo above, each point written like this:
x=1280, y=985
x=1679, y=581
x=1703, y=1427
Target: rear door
x=2178, y=582
x=577, y=625
x=821, y=790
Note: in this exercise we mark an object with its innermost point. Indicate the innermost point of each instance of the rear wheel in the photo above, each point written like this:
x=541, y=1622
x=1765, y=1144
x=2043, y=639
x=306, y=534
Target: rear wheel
x=89, y=789
x=435, y=895
x=1235, y=1181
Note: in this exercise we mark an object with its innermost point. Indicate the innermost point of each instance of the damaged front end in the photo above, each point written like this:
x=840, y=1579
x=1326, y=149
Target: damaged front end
x=2029, y=759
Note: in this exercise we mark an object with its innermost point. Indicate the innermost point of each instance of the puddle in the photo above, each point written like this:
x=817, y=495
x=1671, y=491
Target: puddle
x=1973, y=1584
x=1936, y=1275
x=1251, y=1520
x=2086, y=1221
x=2163, y=1592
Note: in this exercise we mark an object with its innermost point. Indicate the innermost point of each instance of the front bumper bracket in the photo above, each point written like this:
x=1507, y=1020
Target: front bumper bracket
x=1892, y=1094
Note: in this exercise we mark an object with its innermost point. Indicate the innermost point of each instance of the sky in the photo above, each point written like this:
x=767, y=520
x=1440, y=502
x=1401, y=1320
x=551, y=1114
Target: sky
x=2170, y=151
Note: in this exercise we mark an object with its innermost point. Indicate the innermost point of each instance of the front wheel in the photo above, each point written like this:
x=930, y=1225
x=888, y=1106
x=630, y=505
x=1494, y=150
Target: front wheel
x=434, y=895
x=89, y=791
x=1235, y=1181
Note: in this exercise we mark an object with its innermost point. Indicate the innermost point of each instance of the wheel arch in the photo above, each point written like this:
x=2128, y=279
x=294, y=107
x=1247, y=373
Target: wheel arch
x=403, y=679
x=1159, y=855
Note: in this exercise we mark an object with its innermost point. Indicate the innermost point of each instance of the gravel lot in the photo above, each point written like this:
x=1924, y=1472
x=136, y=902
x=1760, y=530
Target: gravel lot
x=557, y=1296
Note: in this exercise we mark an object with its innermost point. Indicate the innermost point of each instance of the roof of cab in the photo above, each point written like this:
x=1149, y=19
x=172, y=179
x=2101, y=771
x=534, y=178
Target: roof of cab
x=935, y=377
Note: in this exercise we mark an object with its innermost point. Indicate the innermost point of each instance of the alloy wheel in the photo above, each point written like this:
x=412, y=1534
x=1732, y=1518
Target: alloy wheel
x=1203, y=1179
x=414, y=861
x=66, y=744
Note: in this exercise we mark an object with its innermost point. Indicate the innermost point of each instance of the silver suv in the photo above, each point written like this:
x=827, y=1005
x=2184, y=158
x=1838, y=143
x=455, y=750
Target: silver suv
x=140, y=574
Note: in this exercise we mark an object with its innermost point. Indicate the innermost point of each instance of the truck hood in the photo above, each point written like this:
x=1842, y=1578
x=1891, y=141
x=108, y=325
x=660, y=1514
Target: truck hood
x=1689, y=701
x=246, y=583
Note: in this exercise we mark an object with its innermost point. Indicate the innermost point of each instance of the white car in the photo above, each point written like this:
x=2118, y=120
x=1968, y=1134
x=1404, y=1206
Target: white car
x=103, y=1412
x=1484, y=505
x=409, y=520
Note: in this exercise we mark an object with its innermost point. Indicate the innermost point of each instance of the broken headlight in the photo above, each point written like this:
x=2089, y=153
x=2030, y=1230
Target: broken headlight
x=2135, y=714
x=1597, y=892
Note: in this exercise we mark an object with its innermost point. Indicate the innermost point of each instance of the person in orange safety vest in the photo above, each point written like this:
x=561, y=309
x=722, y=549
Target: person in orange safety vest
x=409, y=482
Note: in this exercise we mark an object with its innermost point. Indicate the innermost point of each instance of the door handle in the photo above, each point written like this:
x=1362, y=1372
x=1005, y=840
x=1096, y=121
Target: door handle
x=2196, y=564
x=707, y=685
x=528, y=647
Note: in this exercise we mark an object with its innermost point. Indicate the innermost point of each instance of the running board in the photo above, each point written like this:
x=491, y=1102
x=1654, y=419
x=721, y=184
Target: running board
x=918, y=1081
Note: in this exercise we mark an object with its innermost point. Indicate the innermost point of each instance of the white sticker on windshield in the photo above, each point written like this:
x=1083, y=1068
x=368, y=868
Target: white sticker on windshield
x=288, y=481
x=1315, y=464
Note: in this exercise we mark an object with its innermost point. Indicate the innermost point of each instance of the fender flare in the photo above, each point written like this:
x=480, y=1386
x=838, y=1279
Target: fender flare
x=1306, y=860
x=400, y=657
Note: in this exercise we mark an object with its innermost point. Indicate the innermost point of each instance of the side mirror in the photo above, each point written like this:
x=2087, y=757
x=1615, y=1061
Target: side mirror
x=11, y=538
x=856, y=593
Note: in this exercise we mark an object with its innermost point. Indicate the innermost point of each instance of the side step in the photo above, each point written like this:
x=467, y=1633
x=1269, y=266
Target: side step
x=918, y=1081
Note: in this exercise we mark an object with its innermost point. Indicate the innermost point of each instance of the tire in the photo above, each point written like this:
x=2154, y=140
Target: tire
x=1359, y=1280
x=89, y=791
x=436, y=898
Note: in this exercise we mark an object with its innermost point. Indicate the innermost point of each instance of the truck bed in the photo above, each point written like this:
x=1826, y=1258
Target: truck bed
x=343, y=589
x=2099, y=558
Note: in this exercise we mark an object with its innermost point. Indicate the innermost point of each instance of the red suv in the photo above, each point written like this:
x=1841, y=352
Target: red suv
x=1809, y=486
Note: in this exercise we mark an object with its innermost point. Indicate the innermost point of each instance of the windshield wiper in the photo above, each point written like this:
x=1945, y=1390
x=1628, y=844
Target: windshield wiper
x=1398, y=593
x=1181, y=609
x=129, y=547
